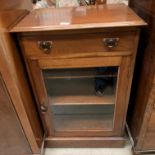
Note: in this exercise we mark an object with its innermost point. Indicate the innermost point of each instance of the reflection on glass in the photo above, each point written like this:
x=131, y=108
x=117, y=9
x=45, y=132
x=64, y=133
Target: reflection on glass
x=82, y=99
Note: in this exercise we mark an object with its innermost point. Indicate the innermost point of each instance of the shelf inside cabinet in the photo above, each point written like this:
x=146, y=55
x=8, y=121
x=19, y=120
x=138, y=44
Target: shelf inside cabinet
x=82, y=76
x=83, y=122
x=81, y=73
x=82, y=100
x=88, y=86
x=83, y=117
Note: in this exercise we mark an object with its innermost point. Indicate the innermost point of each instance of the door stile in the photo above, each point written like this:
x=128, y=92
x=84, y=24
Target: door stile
x=41, y=96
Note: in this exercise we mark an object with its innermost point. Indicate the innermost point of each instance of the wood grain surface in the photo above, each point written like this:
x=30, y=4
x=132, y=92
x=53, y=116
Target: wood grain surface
x=100, y=16
x=12, y=137
x=141, y=109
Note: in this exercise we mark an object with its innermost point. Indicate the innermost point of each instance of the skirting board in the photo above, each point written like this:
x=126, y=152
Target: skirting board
x=84, y=142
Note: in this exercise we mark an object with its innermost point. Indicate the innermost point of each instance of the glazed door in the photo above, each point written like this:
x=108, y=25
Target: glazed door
x=81, y=97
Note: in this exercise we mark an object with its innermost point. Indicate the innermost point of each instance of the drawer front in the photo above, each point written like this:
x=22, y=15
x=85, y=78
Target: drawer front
x=79, y=45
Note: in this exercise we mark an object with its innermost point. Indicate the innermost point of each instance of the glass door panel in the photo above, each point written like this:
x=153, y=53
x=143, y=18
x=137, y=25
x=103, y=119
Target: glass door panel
x=83, y=117
x=82, y=99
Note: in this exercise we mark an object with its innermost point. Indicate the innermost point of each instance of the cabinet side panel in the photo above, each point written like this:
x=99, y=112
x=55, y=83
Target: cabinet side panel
x=17, y=85
x=12, y=138
x=140, y=109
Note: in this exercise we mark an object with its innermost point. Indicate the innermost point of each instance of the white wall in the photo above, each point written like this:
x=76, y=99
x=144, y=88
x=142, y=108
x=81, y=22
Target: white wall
x=117, y=1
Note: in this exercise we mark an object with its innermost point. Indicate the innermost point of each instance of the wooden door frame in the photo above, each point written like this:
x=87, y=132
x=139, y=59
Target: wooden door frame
x=37, y=65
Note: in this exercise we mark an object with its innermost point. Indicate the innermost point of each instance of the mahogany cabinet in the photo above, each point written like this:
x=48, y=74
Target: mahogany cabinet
x=141, y=118
x=21, y=131
x=80, y=63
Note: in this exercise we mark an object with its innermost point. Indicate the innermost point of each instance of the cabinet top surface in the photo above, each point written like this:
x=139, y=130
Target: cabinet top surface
x=101, y=16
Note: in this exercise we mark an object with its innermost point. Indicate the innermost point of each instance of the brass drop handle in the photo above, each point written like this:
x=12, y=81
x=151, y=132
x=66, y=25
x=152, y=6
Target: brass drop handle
x=45, y=46
x=111, y=42
x=43, y=109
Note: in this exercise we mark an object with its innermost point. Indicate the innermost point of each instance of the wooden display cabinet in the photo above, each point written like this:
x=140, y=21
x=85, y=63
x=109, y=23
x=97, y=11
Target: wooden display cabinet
x=80, y=62
x=141, y=118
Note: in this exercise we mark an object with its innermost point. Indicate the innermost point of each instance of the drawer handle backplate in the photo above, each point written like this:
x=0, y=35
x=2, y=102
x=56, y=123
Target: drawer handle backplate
x=45, y=46
x=111, y=42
